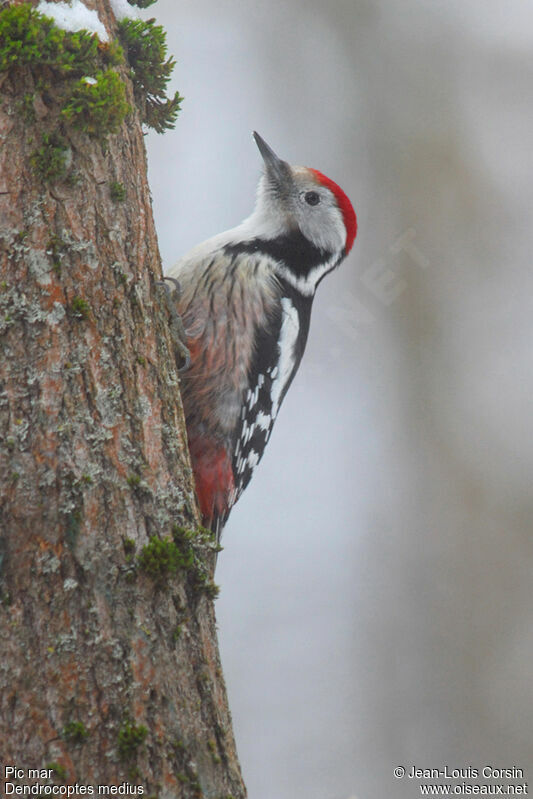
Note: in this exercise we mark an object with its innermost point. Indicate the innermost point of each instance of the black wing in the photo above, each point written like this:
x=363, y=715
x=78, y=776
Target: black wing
x=278, y=351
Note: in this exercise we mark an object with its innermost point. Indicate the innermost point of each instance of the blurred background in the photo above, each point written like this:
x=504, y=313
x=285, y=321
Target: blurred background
x=377, y=589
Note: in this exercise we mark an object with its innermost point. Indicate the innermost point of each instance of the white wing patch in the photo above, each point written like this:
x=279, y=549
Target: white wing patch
x=288, y=337
x=261, y=421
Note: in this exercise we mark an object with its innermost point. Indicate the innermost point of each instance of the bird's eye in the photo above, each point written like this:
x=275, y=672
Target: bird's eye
x=312, y=198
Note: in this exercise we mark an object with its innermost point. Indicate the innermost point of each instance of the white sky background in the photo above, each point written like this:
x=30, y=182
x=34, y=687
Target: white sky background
x=376, y=605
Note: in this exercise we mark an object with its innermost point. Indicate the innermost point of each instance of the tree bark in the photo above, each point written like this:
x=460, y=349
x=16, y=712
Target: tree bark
x=108, y=674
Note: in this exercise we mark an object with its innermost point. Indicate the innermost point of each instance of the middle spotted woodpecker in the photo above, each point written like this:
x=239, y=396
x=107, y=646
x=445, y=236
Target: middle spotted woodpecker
x=245, y=301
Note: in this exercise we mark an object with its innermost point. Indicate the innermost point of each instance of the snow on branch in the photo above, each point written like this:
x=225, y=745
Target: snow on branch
x=74, y=17
x=122, y=9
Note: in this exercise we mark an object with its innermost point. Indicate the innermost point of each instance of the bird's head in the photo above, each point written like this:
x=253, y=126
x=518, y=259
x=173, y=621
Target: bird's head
x=296, y=198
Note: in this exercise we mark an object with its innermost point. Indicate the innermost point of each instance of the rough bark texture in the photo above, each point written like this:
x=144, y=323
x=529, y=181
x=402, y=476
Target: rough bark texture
x=93, y=456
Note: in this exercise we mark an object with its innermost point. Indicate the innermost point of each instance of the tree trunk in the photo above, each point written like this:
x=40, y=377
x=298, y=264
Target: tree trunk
x=109, y=669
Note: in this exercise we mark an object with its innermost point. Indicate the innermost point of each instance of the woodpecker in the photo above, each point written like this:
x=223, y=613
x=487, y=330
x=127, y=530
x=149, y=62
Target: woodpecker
x=245, y=302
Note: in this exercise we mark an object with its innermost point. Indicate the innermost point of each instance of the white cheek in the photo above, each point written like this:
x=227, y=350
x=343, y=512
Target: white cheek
x=325, y=229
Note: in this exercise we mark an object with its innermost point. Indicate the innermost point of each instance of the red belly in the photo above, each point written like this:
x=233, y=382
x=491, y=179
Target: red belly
x=214, y=479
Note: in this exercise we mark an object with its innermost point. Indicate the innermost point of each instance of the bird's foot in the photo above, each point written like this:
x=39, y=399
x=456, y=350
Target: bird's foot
x=177, y=331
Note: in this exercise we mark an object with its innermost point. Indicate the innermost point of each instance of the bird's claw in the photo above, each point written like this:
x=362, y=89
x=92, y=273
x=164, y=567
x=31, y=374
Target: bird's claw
x=179, y=335
x=175, y=293
x=186, y=355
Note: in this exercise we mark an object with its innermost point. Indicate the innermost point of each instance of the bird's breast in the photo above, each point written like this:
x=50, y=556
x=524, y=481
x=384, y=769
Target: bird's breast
x=224, y=304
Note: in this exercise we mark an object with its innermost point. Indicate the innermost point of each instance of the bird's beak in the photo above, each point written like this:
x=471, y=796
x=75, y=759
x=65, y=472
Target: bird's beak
x=278, y=171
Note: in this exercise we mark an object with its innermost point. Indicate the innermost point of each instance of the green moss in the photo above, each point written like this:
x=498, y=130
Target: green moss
x=75, y=732
x=209, y=588
x=130, y=737
x=97, y=108
x=177, y=745
x=211, y=745
x=191, y=781
x=141, y=360
x=129, y=552
x=129, y=546
x=161, y=558
x=117, y=191
x=184, y=540
x=134, y=480
x=142, y=3
x=59, y=770
x=29, y=38
x=71, y=70
x=27, y=108
x=194, y=544
x=111, y=53
x=49, y=160
x=145, y=46
x=80, y=307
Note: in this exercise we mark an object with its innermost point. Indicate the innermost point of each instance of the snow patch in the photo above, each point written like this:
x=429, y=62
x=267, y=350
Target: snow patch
x=122, y=9
x=74, y=16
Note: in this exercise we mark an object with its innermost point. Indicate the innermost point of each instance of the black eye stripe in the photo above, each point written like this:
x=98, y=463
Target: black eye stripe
x=312, y=197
